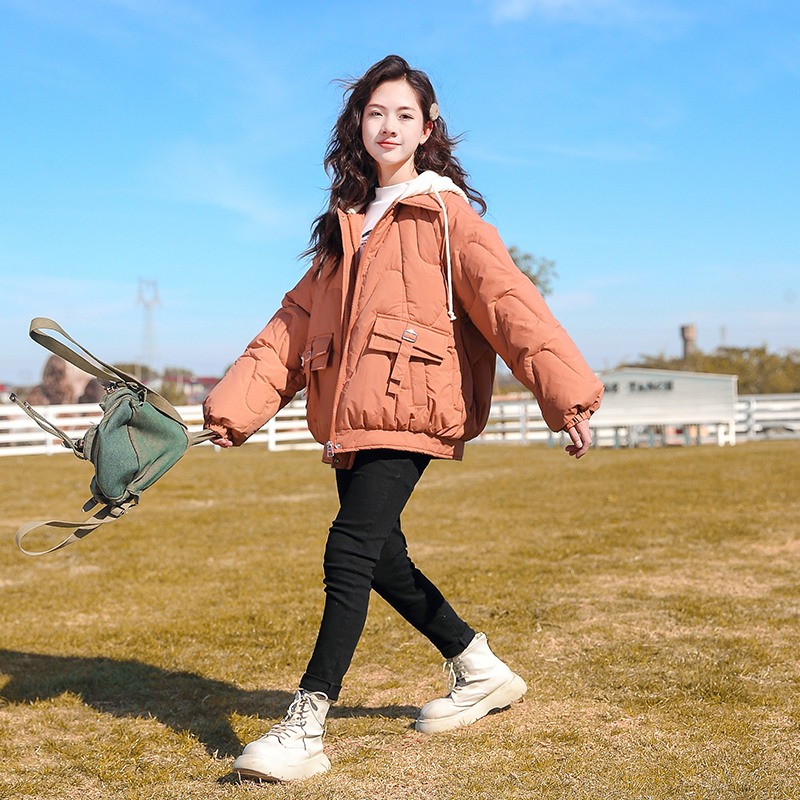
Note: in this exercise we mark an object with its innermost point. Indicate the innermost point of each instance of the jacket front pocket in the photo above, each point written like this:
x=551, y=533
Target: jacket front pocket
x=318, y=352
x=317, y=355
x=406, y=341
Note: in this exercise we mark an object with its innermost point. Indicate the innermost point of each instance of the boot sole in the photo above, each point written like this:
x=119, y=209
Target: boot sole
x=500, y=698
x=255, y=767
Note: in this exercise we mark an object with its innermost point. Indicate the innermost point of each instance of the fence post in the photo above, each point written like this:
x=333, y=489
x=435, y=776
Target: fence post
x=751, y=420
x=50, y=441
x=523, y=422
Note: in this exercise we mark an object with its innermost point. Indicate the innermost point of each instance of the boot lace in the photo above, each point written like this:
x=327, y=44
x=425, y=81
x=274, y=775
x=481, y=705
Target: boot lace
x=303, y=705
x=455, y=678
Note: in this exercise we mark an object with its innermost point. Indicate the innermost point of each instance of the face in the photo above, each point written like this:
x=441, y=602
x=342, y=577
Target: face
x=392, y=128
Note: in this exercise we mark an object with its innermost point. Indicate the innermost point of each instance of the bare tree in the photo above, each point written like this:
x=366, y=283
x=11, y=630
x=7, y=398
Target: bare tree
x=542, y=271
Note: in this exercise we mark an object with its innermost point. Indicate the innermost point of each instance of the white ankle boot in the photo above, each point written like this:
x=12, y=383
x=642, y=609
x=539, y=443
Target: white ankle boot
x=482, y=683
x=292, y=749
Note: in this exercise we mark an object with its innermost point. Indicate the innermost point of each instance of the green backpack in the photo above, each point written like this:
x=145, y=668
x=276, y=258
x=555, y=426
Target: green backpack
x=140, y=436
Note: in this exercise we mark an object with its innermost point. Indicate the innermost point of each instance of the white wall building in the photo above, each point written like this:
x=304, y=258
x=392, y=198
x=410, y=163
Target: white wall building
x=666, y=406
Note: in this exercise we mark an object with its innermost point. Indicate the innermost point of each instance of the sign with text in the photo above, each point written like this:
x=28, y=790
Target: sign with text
x=636, y=396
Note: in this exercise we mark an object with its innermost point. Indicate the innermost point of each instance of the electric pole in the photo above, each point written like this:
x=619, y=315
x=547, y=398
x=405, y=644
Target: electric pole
x=148, y=299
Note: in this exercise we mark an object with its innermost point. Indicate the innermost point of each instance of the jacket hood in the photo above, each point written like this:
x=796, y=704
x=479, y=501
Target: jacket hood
x=430, y=182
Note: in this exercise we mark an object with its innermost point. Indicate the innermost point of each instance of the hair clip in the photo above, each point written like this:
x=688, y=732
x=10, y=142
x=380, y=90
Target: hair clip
x=434, y=112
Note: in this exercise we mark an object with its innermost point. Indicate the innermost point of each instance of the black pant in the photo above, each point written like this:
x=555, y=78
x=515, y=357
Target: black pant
x=367, y=550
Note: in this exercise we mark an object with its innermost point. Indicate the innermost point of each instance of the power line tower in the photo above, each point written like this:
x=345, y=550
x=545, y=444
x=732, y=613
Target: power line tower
x=148, y=299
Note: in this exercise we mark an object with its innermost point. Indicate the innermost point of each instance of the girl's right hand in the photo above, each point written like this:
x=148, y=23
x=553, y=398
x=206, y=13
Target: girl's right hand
x=222, y=441
x=581, y=439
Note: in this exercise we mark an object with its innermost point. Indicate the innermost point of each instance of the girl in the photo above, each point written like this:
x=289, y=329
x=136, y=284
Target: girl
x=392, y=333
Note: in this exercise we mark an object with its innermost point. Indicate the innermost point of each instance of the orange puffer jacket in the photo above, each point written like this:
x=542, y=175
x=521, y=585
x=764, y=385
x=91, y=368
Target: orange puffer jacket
x=397, y=349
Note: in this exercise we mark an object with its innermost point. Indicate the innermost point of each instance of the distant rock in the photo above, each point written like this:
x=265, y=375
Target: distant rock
x=64, y=384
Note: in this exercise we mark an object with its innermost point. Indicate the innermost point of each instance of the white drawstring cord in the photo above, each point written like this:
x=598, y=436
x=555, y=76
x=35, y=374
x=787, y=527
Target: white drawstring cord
x=450, y=310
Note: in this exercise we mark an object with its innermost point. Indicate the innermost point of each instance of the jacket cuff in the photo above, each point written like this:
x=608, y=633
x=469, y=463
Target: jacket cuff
x=579, y=417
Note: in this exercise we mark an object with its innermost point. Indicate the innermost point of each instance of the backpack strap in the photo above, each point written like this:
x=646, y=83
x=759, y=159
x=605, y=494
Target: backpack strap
x=96, y=367
x=198, y=437
x=105, y=372
x=46, y=425
x=105, y=514
x=78, y=529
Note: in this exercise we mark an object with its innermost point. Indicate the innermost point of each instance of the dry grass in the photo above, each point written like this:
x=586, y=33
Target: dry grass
x=650, y=598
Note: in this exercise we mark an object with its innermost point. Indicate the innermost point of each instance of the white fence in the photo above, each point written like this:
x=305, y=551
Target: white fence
x=20, y=435
x=520, y=420
x=511, y=420
x=773, y=416
x=758, y=416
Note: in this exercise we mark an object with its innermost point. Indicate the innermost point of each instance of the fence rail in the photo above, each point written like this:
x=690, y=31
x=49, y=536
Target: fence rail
x=511, y=420
x=20, y=435
x=760, y=416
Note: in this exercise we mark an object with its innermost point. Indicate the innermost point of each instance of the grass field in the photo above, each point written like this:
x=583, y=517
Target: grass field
x=650, y=598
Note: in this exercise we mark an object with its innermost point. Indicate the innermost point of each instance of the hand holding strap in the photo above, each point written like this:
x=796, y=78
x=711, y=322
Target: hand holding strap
x=198, y=437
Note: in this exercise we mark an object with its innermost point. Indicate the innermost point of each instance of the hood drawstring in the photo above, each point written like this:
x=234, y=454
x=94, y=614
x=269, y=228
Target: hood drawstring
x=450, y=310
x=426, y=183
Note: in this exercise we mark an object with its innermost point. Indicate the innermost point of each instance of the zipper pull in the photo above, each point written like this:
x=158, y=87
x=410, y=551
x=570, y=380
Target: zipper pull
x=329, y=449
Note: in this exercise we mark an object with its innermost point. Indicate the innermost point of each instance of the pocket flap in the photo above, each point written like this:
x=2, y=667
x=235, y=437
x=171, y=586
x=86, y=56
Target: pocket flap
x=318, y=351
x=389, y=333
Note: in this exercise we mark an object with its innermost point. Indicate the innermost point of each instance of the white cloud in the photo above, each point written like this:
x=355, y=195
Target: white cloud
x=605, y=151
x=591, y=12
x=520, y=9
x=572, y=301
x=190, y=35
x=598, y=151
x=100, y=314
x=104, y=316
x=207, y=175
x=782, y=319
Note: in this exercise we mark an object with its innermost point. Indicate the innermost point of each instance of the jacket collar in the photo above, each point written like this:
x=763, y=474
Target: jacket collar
x=422, y=191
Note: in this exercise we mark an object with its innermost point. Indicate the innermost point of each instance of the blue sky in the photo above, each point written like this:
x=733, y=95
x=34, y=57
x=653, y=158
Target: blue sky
x=650, y=147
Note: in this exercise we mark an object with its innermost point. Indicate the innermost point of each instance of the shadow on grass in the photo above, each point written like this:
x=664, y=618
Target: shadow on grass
x=183, y=701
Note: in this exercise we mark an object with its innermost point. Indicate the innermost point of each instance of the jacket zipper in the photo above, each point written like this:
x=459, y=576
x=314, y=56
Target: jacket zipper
x=331, y=445
x=360, y=268
x=361, y=265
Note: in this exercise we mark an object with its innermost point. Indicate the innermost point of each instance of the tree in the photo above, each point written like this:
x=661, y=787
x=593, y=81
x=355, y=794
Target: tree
x=542, y=271
x=140, y=371
x=175, y=393
x=174, y=385
x=758, y=370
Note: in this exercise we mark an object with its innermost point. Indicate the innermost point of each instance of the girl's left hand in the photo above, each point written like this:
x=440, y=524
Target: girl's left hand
x=581, y=439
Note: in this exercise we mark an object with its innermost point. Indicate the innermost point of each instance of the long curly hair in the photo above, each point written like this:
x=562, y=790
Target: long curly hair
x=351, y=169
